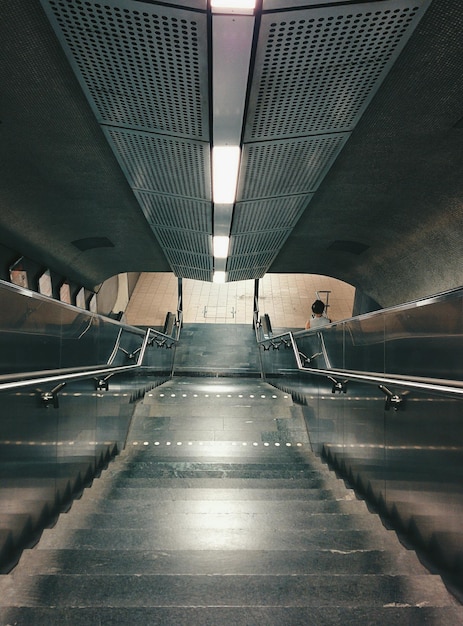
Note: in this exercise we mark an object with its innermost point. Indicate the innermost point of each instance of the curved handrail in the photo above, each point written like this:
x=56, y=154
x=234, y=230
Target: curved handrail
x=417, y=383
x=25, y=379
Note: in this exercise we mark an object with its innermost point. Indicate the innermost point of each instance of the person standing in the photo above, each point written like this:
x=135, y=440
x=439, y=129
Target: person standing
x=318, y=318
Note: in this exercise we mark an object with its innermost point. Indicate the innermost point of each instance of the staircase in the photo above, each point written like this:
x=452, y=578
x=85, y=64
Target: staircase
x=217, y=512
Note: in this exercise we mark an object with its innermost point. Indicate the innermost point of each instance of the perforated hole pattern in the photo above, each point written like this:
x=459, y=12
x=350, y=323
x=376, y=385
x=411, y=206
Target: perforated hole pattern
x=182, y=257
x=287, y=168
x=318, y=71
x=185, y=259
x=249, y=266
x=184, y=240
x=266, y=214
x=249, y=274
x=192, y=272
x=264, y=242
x=183, y=213
x=163, y=164
x=142, y=65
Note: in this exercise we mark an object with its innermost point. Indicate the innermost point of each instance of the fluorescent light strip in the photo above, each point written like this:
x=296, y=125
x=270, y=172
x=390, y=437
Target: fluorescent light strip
x=219, y=277
x=225, y=165
x=220, y=245
x=232, y=36
x=233, y=4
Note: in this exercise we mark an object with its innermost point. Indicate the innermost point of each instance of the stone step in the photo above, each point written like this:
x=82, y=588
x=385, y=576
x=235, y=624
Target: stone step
x=311, y=590
x=218, y=562
x=144, y=473
x=237, y=461
x=221, y=532
x=209, y=488
x=204, y=384
x=158, y=518
x=171, y=444
x=180, y=538
x=390, y=615
x=165, y=506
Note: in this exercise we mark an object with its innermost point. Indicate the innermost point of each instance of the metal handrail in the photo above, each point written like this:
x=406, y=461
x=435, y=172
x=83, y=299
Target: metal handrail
x=420, y=383
x=26, y=379
x=256, y=325
x=113, y=354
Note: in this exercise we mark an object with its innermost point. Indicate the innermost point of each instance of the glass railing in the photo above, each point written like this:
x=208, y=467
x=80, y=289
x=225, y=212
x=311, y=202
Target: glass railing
x=69, y=380
x=420, y=339
x=382, y=397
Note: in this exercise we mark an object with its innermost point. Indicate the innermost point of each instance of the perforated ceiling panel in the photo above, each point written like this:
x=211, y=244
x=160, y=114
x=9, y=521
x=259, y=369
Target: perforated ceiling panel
x=244, y=258
x=243, y=255
x=175, y=212
x=184, y=240
x=245, y=262
x=144, y=69
x=266, y=241
x=247, y=273
x=190, y=265
x=163, y=164
x=288, y=167
x=265, y=214
x=316, y=69
x=142, y=66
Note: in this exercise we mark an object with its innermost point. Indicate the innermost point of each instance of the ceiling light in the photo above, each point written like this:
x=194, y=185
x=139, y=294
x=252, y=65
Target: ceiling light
x=219, y=277
x=233, y=4
x=225, y=164
x=220, y=245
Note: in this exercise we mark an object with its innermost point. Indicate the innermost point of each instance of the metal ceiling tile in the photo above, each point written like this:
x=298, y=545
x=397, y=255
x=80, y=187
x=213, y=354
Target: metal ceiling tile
x=271, y=5
x=250, y=273
x=287, y=167
x=194, y=273
x=187, y=259
x=318, y=68
x=141, y=65
x=184, y=240
x=266, y=214
x=263, y=241
x=162, y=164
x=250, y=261
x=176, y=212
x=144, y=67
x=190, y=265
x=200, y=5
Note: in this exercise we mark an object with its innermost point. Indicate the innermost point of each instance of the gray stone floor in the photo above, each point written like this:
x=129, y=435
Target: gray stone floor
x=218, y=512
x=217, y=349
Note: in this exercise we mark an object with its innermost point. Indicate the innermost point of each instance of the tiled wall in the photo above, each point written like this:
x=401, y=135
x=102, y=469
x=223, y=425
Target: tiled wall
x=287, y=298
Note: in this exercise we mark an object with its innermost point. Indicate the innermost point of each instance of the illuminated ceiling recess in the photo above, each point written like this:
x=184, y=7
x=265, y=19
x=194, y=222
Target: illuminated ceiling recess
x=286, y=92
x=232, y=36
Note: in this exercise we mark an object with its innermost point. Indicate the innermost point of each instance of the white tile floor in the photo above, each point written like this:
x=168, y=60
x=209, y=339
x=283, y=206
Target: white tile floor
x=287, y=299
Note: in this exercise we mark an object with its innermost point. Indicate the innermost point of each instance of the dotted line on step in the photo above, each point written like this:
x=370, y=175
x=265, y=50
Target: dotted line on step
x=215, y=395
x=255, y=444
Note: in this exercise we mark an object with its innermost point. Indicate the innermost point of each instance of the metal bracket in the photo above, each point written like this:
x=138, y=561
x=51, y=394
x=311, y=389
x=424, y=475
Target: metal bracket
x=130, y=355
x=160, y=342
x=392, y=399
x=50, y=398
x=314, y=356
x=275, y=345
x=306, y=360
x=102, y=384
x=163, y=343
x=338, y=385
